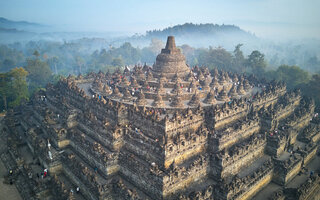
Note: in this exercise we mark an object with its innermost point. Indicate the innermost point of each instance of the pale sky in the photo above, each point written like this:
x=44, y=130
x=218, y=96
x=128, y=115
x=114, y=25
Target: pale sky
x=265, y=18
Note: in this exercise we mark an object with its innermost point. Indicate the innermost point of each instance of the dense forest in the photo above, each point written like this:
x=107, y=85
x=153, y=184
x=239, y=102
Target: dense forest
x=25, y=67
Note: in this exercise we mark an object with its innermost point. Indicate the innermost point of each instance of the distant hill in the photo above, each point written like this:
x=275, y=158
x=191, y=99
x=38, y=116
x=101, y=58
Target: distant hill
x=19, y=25
x=197, y=29
x=10, y=30
x=199, y=35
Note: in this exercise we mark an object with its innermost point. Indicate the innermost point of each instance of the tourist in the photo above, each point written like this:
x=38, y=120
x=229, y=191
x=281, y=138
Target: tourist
x=311, y=174
x=30, y=175
x=45, y=171
x=49, y=145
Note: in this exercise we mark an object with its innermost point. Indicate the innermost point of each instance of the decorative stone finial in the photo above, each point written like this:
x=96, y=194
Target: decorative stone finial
x=116, y=93
x=210, y=99
x=233, y=91
x=195, y=100
x=158, y=102
x=106, y=90
x=176, y=102
x=126, y=95
x=223, y=95
x=134, y=83
x=141, y=101
x=240, y=89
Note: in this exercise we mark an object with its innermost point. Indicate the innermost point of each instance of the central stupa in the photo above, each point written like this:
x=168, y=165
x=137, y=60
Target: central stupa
x=170, y=61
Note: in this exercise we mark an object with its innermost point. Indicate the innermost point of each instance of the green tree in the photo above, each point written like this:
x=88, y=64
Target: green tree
x=104, y=57
x=53, y=62
x=129, y=54
x=19, y=86
x=5, y=89
x=10, y=58
x=188, y=52
x=117, y=62
x=7, y=64
x=80, y=63
x=36, y=54
x=256, y=63
x=216, y=57
x=313, y=64
x=156, y=45
x=39, y=73
x=238, y=60
x=293, y=76
x=13, y=87
x=312, y=89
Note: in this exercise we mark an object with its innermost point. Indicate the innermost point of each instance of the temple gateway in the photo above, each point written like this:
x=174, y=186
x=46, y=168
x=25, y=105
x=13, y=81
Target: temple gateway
x=164, y=132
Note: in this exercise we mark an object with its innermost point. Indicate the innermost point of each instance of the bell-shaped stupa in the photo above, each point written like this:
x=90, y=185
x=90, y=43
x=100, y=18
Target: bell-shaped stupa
x=171, y=62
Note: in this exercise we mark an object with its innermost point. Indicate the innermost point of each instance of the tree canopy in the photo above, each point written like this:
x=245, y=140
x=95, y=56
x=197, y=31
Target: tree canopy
x=256, y=63
x=293, y=76
x=216, y=57
x=13, y=87
x=39, y=73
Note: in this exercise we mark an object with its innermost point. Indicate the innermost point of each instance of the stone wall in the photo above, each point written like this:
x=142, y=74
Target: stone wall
x=237, y=157
x=233, y=133
x=286, y=170
x=245, y=187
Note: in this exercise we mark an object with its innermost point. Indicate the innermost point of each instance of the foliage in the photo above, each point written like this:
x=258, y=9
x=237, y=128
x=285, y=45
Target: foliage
x=131, y=54
x=220, y=58
x=13, y=88
x=117, y=62
x=148, y=54
x=313, y=64
x=190, y=54
x=312, y=88
x=39, y=73
x=156, y=45
x=80, y=63
x=9, y=58
x=239, y=59
x=256, y=63
x=216, y=57
x=36, y=53
x=293, y=76
x=53, y=62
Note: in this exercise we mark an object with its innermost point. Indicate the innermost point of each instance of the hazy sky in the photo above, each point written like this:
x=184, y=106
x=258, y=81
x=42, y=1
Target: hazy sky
x=265, y=18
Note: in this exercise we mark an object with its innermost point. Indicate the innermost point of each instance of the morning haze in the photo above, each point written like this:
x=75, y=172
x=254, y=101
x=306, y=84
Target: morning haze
x=266, y=18
x=148, y=100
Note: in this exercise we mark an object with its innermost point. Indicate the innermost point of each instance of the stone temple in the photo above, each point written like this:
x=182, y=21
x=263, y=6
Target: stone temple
x=164, y=132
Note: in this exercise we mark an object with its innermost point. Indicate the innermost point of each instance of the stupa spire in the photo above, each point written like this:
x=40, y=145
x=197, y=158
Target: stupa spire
x=170, y=62
x=171, y=44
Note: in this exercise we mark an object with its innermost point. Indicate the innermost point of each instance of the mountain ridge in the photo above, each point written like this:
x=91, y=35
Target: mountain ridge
x=19, y=25
x=191, y=28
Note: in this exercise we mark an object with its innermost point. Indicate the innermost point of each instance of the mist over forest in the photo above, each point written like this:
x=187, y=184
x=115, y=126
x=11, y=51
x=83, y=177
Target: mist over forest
x=32, y=55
